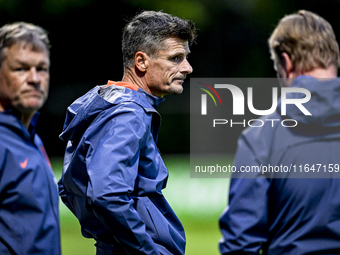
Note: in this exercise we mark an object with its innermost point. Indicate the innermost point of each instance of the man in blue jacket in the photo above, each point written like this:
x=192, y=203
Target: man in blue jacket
x=296, y=212
x=29, y=219
x=113, y=172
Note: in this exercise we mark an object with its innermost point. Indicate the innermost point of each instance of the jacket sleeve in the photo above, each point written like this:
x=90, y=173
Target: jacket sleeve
x=244, y=222
x=112, y=165
x=63, y=196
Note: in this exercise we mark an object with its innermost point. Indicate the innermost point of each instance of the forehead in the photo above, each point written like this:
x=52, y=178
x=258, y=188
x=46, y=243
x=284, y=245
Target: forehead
x=174, y=44
x=25, y=52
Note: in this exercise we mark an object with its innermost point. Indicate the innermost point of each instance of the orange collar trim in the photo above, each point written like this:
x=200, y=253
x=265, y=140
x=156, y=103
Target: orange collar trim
x=128, y=85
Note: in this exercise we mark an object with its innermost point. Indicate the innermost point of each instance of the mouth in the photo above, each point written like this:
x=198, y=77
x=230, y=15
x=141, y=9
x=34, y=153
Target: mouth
x=181, y=80
x=33, y=93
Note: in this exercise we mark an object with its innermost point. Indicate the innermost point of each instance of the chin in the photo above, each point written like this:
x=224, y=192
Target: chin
x=34, y=105
x=175, y=91
x=178, y=88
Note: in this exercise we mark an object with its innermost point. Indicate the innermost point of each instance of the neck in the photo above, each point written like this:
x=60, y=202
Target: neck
x=26, y=120
x=136, y=78
x=24, y=117
x=2, y=108
x=319, y=73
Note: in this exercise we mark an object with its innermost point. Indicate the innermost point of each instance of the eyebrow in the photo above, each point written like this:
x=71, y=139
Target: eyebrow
x=176, y=53
x=24, y=62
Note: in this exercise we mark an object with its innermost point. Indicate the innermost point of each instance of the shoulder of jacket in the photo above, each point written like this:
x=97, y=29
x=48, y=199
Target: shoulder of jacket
x=119, y=95
x=261, y=139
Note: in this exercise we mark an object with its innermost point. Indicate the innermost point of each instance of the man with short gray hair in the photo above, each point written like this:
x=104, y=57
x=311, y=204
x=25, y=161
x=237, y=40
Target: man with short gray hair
x=113, y=172
x=29, y=216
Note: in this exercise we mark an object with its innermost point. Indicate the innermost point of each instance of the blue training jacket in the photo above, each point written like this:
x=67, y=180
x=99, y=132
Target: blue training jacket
x=296, y=212
x=114, y=175
x=29, y=217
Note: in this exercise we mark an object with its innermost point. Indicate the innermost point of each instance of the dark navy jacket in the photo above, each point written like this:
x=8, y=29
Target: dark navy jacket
x=283, y=212
x=114, y=175
x=29, y=219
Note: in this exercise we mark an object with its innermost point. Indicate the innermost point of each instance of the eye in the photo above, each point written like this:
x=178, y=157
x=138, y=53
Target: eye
x=177, y=58
x=42, y=69
x=18, y=68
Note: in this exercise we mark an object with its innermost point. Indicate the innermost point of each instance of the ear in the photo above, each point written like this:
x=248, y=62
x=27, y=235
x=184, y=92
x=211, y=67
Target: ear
x=288, y=65
x=141, y=61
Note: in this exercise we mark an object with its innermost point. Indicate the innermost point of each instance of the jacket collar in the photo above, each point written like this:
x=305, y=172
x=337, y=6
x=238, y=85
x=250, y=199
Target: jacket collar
x=153, y=100
x=11, y=118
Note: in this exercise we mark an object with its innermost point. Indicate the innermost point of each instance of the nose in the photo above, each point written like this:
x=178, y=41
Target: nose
x=33, y=76
x=186, y=67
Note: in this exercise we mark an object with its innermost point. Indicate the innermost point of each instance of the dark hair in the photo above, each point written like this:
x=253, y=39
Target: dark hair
x=22, y=32
x=147, y=31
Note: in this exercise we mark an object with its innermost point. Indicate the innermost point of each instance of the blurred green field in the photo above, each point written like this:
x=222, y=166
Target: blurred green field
x=198, y=202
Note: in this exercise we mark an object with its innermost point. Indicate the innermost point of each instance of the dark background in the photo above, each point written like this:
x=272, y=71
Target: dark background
x=86, y=50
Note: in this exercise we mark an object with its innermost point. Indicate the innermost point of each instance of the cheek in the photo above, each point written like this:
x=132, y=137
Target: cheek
x=8, y=87
x=45, y=83
x=173, y=70
x=16, y=88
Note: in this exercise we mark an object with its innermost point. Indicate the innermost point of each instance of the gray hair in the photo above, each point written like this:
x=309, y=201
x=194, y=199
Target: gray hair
x=147, y=31
x=22, y=32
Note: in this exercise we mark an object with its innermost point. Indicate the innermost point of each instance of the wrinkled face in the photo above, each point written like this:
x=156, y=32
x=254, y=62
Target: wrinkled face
x=166, y=72
x=24, y=78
